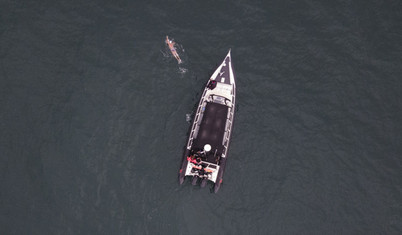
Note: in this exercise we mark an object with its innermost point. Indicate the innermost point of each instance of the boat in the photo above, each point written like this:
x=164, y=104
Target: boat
x=207, y=147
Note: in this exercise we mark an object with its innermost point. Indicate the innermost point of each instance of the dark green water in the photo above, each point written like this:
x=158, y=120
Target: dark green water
x=93, y=117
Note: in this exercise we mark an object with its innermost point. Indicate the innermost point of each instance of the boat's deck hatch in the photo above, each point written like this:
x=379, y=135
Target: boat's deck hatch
x=212, y=127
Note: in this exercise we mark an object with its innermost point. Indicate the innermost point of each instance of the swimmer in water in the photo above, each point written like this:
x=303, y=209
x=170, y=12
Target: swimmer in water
x=170, y=43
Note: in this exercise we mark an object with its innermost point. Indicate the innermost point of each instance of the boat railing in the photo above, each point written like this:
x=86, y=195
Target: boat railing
x=210, y=165
x=228, y=128
x=198, y=116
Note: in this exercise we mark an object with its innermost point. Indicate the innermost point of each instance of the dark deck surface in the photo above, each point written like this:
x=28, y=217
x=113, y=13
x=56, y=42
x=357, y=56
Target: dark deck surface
x=212, y=127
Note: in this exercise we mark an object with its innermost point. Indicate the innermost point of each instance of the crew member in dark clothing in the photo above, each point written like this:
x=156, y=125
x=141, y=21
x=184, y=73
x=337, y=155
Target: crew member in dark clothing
x=212, y=84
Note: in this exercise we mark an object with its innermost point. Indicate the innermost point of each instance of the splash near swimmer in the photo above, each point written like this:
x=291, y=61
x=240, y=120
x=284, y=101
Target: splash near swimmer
x=172, y=49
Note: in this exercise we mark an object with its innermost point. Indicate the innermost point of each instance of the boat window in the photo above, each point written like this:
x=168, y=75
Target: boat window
x=218, y=99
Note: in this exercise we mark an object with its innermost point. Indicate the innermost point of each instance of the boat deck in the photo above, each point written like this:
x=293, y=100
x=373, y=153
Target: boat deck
x=212, y=127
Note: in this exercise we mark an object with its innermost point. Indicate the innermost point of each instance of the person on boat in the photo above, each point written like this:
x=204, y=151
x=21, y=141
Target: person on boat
x=171, y=44
x=197, y=167
x=212, y=84
x=192, y=159
x=201, y=153
x=201, y=171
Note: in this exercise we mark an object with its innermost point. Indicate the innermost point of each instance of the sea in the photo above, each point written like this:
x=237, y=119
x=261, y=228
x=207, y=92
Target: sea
x=95, y=114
